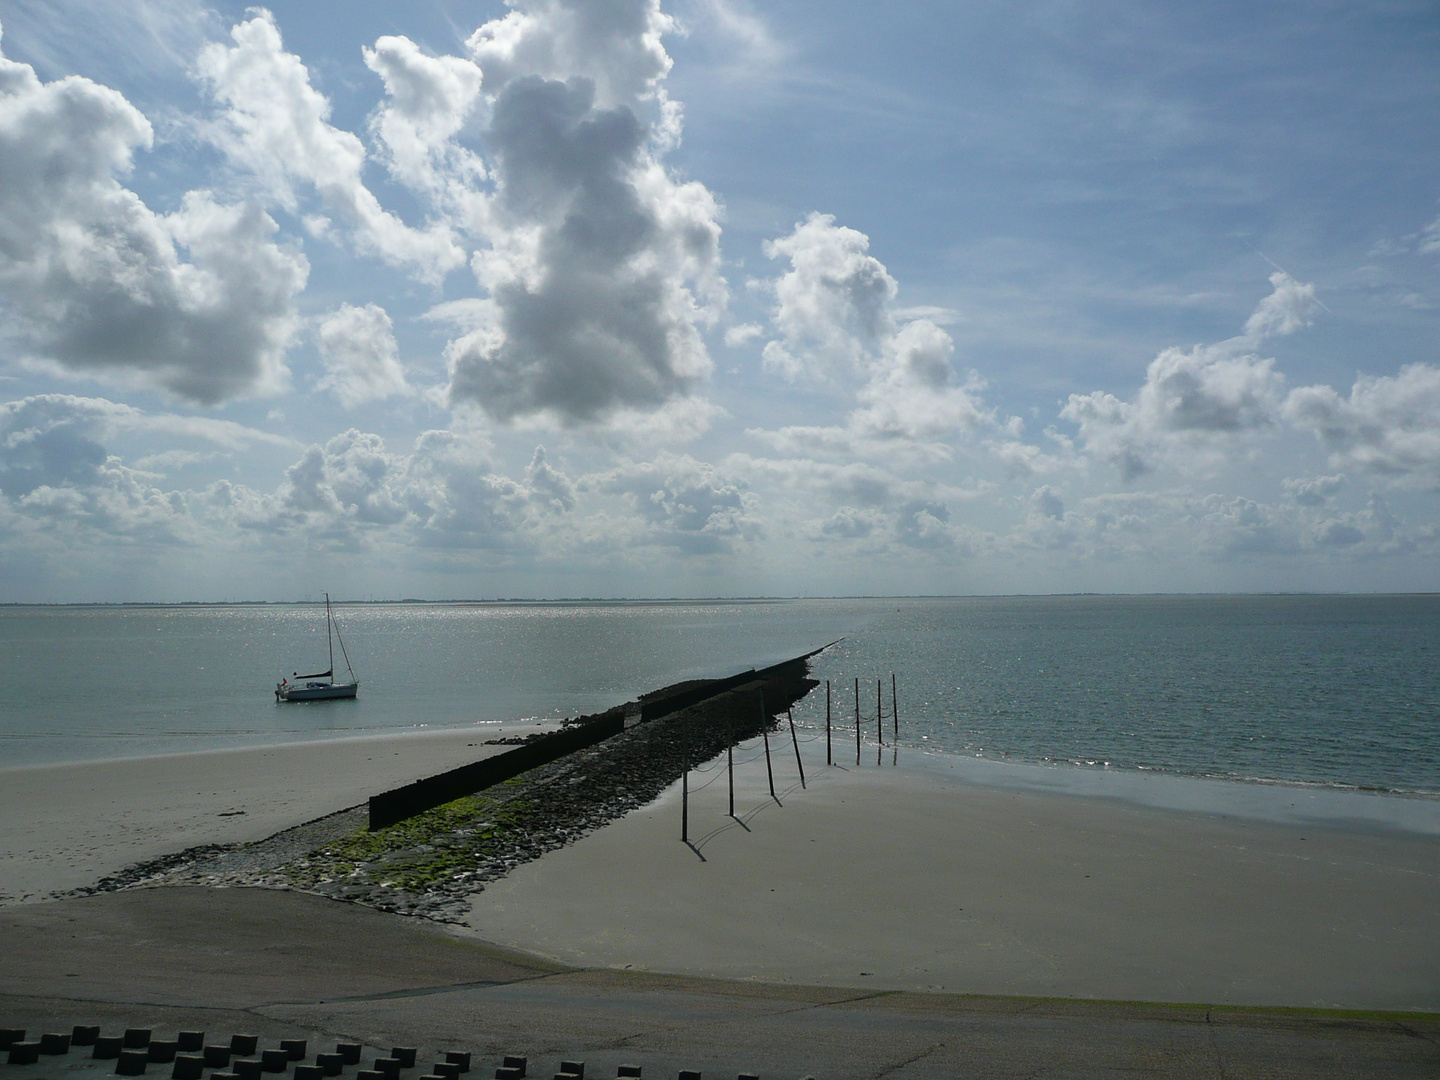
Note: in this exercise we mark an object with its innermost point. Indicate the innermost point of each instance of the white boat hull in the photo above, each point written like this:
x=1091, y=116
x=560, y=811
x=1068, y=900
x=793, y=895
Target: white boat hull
x=324, y=692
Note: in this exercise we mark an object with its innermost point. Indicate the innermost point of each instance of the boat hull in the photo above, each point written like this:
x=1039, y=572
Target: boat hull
x=328, y=692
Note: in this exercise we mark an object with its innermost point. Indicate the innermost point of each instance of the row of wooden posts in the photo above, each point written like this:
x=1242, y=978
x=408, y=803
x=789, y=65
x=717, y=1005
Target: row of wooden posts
x=795, y=741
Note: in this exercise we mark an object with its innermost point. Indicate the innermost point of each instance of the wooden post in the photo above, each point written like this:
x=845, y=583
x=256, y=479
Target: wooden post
x=894, y=707
x=828, y=759
x=730, y=761
x=765, y=734
x=798, y=763
x=879, y=715
x=684, y=786
x=857, y=721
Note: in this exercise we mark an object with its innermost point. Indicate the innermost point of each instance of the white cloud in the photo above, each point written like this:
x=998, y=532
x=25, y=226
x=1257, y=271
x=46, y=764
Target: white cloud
x=1388, y=424
x=601, y=265
x=1291, y=306
x=275, y=127
x=684, y=503
x=430, y=100
x=1205, y=395
x=836, y=319
x=362, y=363
x=97, y=283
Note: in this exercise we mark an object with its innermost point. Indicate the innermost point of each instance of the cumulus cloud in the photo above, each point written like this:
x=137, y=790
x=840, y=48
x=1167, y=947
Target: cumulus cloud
x=836, y=320
x=601, y=266
x=275, y=126
x=362, y=362
x=684, y=503
x=95, y=282
x=1206, y=393
x=1291, y=306
x=1388, y=424
x=430, y=98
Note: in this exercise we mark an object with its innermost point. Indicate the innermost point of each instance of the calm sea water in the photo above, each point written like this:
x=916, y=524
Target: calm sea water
x=1341, y=691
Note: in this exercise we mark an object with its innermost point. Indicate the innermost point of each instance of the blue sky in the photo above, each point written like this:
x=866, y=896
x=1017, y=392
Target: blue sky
x=561, y=299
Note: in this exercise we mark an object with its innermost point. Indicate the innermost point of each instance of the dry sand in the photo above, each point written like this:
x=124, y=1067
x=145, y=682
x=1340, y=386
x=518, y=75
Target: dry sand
x=903, y=879
x=65, y=826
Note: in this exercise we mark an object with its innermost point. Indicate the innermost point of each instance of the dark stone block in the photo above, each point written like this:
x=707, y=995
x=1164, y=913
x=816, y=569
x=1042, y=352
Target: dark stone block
x=459, y=1058
x=162, y=1050
x=24, y=1053
x=388, y=1067
x=190, y=1042
x=223, y=1076
x=508, y=1073
x=576, y=1067
x=628, y=1070
x=369, y=1074
x=309, y=1072
x=192, y=1066
x=137, y=1038
x=246, y=1068
x=405, y=1055
x=54, y=1044
x=10, y=1036
x=107, y=1046
x=81, y=1035
x=216, y=1057
x=275, y=1061
x=330, y=1064
x=445, y=1070
x=349, y=1052
x=511, y=1061
x=294, y=1047
x=132, y=1062
x=243, y=1045
x=748, y=1076
x=689, y=1074
x=568, y=1076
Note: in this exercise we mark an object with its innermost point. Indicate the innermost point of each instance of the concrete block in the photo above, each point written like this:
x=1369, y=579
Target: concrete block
x=459, y=1058
x=192, y=1066
x=689, y=1074
x=54, y=1044
x=568, y=1076
x=10, y=1036
x=576, y=1067
x=294, y=1047
x=628, y=1070
x=330, y=1064
x=274, y=1061
x=137, y=1038
x=107, y=1047
x=369, y=1074
x=405, y=1055
x=83, y=1035
x=748, y=1076
x=309, y=1072
x=132, y=1062
x=223, y=1076
x=446, y=1070
x=247, y=1068
x=506, y=1073
x=24, y=1053
x=190, y=1042
x=349, y=1052
x=512, y=1061
x=388, y=1067
x=216, y=1057
x=162, y=1050
x=243, y=1045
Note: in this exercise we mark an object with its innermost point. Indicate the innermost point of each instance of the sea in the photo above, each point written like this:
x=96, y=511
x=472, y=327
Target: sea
x=1193, y=701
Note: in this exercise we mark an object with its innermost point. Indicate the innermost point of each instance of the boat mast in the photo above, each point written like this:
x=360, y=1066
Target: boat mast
x=329, y=637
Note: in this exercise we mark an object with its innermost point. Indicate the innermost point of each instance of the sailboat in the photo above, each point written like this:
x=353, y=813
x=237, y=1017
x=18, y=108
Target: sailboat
x=322, y=685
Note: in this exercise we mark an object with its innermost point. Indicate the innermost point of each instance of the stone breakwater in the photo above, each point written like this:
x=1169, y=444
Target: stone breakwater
x=428, y=865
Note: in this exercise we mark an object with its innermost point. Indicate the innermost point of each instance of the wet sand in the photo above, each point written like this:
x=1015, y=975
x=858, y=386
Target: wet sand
x=886, y=878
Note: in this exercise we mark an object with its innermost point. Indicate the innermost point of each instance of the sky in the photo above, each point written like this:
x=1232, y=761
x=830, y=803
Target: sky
x=604, y=298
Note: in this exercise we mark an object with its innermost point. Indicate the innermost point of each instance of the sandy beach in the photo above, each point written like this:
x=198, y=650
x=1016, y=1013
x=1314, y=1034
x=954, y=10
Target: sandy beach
x=901, y=878
x=65, y=826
